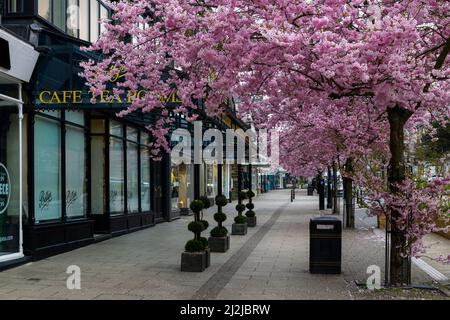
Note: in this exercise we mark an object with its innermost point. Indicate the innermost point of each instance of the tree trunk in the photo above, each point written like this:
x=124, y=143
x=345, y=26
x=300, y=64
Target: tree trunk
x=335, y=190
x=348, y=192
x=400, y=267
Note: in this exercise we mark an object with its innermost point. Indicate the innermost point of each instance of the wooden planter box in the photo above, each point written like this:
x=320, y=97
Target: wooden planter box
x=193, y=261
x=219, y=244
x=251, y=222
x=239, y=229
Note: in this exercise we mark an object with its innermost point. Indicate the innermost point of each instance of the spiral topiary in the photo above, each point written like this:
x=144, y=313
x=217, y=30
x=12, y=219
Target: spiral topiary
x=250, y=206
x=220, y=217
x=197, y=226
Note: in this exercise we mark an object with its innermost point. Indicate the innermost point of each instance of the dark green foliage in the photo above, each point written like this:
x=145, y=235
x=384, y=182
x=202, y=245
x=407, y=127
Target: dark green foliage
x=242, y=195
x=206, y=202
x=196, y=226
x=196, y=206
x=250, y=214
x=220, y=217
x=250, y=194
x=221, y=201
x=240, y=207
x=240, y=219
x=250, y=206
x=219, y=232
x=204, y=241
x=205, y=224
x=195, y=246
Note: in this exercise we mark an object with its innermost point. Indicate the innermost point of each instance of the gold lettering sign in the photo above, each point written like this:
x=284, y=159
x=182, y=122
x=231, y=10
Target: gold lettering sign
x=106, y=97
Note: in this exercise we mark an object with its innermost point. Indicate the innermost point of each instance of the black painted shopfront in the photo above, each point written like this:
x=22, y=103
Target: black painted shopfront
x=89, y=174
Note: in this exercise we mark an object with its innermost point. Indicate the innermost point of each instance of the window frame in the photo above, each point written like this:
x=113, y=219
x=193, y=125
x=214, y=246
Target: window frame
x=100, y=6
x=63, y=165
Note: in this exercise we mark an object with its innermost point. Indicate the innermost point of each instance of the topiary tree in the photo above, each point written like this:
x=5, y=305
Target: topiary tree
x=206, y=205
x=198, y=243
x=240, y=207
x=220, y=217
x=250, y=206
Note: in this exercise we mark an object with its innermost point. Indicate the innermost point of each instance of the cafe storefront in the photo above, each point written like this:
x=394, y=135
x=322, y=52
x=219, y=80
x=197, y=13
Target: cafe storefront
x=18, y=60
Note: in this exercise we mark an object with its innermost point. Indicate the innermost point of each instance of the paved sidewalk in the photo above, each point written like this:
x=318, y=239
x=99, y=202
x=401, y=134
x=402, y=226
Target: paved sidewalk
x=270, y=262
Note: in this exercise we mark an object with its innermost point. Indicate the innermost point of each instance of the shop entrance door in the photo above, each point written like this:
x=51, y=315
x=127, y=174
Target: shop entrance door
x=10, y=205
x=157, y=191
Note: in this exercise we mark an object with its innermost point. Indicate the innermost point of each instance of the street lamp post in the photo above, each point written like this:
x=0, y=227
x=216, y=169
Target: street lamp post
x=329, y=192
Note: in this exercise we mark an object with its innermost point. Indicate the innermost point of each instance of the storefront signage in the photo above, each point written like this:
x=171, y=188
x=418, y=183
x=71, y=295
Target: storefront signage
x=77, y=97
x=5, y=188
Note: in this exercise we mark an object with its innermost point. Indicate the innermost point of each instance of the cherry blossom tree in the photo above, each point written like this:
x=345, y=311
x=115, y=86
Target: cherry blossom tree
x=339, y=76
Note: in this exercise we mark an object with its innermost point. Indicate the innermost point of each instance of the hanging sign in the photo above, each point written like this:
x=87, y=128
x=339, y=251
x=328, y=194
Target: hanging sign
x=5, y=188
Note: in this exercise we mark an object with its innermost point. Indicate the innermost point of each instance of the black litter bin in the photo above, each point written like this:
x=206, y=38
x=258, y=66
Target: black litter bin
x=325, y=245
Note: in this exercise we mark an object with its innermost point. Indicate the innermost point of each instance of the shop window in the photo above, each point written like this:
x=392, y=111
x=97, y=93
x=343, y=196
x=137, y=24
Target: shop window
x=76, y=195
x=116, y=173
x=97, y=174
x=84, y=19
x=103, y=15
x=13, y=164
x=145, y=178
x=9, y=183
x=182, y=186
x=98, y=126
x=211, y=180
x=132, y=171
x=94, y=17
x=59, y=14
x=73, y=17
x=115, y=128
x=45, y=9
x=47, y=169
x=15, y=6
x=75, y=117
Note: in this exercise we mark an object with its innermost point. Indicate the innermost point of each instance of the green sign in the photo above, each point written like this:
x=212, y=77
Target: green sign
x=5, y=188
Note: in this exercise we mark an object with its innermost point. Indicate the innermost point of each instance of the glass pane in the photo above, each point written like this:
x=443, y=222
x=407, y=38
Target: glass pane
x=73, y=18
x=94, y=21
x=76, y=195
x=15, y=6
x=55, y=114
x=145, y=138
x=132, y=134
x=210, y=181
x=44, y=9
x=145, y=179
x=175, y=185
x=185, y=195
x=47, y=169
x=84, y=19
x=75, y=117
x=116, y=176
x=103, y=15
x=116, y=128
x=9, y=186
x=98, y=126
x=59, y=14
x=97, y=174
x=132, y=177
